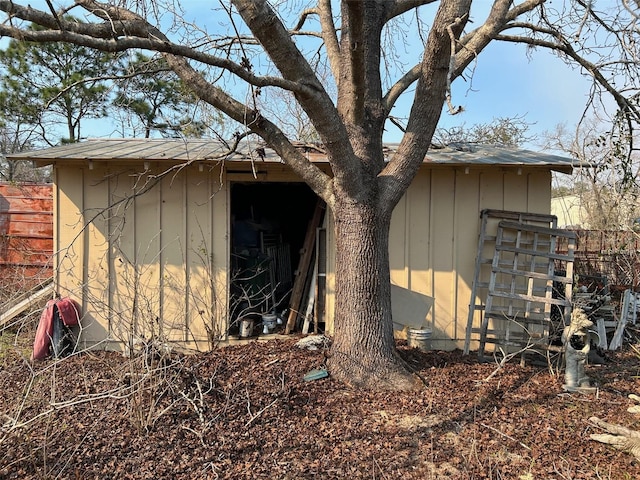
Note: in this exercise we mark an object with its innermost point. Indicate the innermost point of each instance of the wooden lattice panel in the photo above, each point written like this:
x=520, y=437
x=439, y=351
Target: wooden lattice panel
x=489, y=220
x=529, y=293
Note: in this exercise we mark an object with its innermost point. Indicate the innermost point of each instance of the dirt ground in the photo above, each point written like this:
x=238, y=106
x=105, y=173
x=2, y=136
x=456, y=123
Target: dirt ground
x=247, y=412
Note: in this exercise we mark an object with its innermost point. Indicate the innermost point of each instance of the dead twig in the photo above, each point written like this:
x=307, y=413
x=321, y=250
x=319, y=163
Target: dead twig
x=254, y=417
x=505, y=435
x=505, y=359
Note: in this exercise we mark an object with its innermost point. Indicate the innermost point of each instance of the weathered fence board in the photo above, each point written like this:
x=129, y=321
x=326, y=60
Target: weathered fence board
x=610, y=255
x=26, y=233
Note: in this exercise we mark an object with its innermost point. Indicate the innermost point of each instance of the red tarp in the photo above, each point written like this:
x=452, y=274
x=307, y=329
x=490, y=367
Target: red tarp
x=69, y=313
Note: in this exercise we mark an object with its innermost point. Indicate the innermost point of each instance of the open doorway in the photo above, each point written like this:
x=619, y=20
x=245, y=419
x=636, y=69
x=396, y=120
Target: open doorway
x=269, y=222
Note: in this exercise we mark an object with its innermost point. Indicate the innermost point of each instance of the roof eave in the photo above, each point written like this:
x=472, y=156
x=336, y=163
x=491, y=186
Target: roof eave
x=563, y=169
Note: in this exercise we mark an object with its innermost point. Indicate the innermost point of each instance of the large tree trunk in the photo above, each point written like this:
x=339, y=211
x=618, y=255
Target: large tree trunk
x=363, y=352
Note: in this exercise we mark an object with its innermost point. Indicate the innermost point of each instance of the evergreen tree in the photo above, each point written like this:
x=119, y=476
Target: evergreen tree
x=45, y=85
x=154, y=98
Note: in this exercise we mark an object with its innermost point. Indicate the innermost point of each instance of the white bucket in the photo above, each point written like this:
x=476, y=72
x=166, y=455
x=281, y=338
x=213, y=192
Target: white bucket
x=269, y=321
x=246, y=327
x=419, y=338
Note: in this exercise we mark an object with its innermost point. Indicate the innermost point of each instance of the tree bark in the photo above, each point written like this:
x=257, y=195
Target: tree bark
x=363, y=353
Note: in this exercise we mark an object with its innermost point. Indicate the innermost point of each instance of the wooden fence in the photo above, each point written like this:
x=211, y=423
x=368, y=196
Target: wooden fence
x=605, y=258
x=26, y=235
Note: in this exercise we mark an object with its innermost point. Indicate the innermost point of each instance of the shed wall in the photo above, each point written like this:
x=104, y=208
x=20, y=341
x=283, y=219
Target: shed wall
x=434, y=241
x=152, y=264
x=156, y=263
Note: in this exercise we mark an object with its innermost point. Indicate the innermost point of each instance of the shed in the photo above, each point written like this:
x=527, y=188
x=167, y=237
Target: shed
x=169, y=237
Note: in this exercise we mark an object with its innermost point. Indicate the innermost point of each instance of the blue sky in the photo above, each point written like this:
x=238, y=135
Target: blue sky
x=542, y=90
x=507, y=82
x=510, y=81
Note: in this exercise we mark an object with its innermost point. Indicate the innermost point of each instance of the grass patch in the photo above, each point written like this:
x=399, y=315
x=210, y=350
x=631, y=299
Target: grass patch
x=12, y=343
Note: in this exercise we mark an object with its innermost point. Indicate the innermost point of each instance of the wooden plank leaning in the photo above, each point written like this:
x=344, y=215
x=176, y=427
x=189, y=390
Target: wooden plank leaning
x=303, y=266
x=21, y=306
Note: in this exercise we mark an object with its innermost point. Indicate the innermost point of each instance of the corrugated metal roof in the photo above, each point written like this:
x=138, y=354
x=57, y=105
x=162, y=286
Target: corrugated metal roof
x=177, y=150
x=136, y=149
x=491, y=155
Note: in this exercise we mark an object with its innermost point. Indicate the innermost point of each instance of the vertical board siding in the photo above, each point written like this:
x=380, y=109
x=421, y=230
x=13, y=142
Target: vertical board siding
x=467, y=214
x=95, y=279
x=491, y=189
x=148, y=245
x=443, y=193
x=172, y=322
x=398, y=244
x=200, y=317
x=435, y=232
x=69, y=239
x=219, y=205
x=143, y=262
x=417, y=228
x=411, y=297
x=516, y=188
x=539, y=192
x=124, y=269
x=156, y=264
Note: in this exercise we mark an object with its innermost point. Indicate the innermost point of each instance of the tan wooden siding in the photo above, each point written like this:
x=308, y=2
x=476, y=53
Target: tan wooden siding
x=465, y=238
x=156, y=264
x=434, y=241
x=69, y=240
x=96, y=254
x=149, y=265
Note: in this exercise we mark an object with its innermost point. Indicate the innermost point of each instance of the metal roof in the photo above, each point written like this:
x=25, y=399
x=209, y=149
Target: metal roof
x=178, y=150
x=479, y=154
x=136, y=149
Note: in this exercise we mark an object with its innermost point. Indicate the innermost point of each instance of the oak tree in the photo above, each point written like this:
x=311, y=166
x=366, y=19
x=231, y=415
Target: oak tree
x=259, y=44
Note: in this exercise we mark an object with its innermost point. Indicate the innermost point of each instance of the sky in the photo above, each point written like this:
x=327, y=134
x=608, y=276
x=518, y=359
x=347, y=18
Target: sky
x=507, y=82
x=542, y=90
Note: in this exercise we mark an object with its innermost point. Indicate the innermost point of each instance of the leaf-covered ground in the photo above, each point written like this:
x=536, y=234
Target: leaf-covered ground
x=246, y=412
